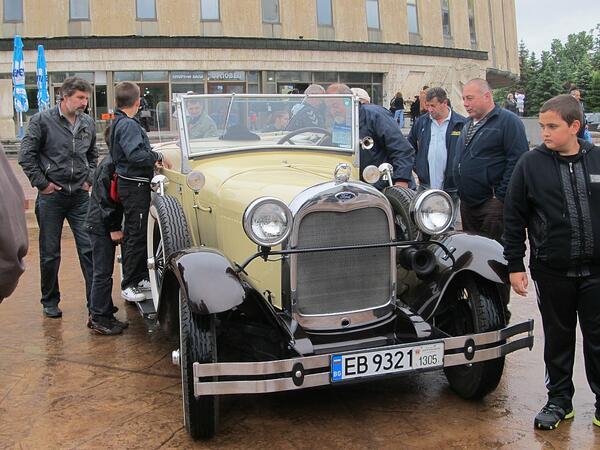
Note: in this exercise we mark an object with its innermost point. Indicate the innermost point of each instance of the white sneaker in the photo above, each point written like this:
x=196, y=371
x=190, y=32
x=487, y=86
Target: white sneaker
x=144, y=285
x=133, y=294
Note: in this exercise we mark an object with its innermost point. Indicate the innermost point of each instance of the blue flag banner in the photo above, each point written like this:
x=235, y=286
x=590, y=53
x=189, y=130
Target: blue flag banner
x=43, y=97
x=18, y=76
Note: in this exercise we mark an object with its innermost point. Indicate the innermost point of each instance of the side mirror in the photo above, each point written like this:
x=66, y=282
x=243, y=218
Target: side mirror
x=158, y=184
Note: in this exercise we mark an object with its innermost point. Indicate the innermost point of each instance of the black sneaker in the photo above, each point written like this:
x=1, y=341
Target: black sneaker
x=53, y=312
x=105, y=327
x=117, y=322
x=551, y=415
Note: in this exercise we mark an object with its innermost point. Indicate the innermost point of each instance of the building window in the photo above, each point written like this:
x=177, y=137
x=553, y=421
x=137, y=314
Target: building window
x=446, y=18
x=373, y=14
x=145, y=9
x=270, y=11
x=13, y=11
x=472, y=30
x=413, y=16
x=209, y=10
x=324, y=13
x=79, y=9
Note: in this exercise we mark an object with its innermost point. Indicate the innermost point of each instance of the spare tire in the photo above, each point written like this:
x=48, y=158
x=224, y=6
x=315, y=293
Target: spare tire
x=400, y=198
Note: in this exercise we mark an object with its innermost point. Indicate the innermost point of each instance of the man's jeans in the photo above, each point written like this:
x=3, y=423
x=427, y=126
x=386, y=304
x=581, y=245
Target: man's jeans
x=399, y=118
x=103, y=252
x=135, y=197
x=51, y=210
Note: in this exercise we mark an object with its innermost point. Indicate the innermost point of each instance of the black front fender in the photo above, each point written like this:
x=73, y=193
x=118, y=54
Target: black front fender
x=208, y=280
x=472, y=253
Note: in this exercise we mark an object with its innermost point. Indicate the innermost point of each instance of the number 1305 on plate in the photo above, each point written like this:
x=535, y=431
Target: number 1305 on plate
x=389, y=360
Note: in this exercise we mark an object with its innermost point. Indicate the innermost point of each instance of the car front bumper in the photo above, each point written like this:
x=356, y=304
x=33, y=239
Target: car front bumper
x=310, y=371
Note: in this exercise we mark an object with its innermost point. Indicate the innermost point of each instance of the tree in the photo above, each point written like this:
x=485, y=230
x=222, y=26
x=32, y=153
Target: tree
x=592, y=103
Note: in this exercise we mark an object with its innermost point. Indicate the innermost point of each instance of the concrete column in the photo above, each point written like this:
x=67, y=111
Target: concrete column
x=7, y=123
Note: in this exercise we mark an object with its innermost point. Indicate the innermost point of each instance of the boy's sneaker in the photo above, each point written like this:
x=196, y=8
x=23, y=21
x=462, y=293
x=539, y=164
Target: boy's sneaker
x=596, y=418
x=551, y=415
x=144, y=285
x=133, y=294
x=105, y=327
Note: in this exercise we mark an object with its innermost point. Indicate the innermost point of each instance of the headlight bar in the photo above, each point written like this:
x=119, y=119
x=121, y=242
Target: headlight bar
x=265, y=252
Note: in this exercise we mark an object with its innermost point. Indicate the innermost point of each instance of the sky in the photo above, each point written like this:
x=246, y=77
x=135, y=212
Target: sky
x=541, y=21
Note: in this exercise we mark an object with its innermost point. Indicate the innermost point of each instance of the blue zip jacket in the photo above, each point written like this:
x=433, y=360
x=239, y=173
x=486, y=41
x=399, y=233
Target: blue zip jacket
x=482, y=170
x=389, y=143
x=420, y=137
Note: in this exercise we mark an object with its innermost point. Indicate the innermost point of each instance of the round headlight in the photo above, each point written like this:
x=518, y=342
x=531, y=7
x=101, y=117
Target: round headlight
x=267, y=221
x=195, y=180
x=371, y=174
x=433, y=211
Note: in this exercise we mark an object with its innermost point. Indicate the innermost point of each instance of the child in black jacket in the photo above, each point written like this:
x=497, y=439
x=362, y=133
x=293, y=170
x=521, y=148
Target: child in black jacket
x=554, y=194
x=104, y=226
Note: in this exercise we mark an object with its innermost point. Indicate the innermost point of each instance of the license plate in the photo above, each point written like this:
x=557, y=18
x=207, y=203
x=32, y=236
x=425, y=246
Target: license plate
x=390, y=360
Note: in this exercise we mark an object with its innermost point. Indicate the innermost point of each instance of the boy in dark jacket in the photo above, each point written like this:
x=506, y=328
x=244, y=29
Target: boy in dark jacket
x=104, y=226
x=554, y=194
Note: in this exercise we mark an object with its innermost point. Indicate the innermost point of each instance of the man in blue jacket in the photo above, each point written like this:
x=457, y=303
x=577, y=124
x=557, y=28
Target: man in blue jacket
x=434, y=139
x=487, y=150
x=389, y=144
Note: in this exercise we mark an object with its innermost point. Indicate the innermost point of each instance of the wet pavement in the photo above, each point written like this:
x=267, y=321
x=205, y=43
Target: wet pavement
x=63, y=387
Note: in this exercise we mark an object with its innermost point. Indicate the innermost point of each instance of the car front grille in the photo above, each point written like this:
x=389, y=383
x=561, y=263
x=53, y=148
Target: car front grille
x=345, y=280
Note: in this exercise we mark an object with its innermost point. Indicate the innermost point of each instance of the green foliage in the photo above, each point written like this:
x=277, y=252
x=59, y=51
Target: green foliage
x=593, y=98
x=573, y=62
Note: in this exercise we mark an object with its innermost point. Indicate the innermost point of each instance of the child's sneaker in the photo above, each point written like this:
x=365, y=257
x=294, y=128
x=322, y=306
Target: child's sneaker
x=144, y=285
x=106, y=327
x=133, y=294
x=551, y=415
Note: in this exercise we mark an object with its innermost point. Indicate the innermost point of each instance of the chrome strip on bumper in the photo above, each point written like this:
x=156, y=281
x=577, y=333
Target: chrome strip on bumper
x=291, y=373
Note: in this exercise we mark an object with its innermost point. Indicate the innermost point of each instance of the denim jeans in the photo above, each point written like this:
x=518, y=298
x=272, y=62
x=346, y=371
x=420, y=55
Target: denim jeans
x=103, y=255
x=51, y=210
x=135, y=197
x=399, y=117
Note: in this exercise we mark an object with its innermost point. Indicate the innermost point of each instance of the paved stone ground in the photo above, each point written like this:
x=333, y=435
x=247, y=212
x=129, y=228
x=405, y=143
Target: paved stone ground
x=62, y=387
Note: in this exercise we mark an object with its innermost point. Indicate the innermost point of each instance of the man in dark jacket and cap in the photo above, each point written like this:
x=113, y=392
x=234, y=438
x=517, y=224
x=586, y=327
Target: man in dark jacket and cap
x=389, y=144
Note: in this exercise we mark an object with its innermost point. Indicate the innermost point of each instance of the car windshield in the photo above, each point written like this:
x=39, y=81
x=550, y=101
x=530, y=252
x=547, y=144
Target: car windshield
x=218, y=123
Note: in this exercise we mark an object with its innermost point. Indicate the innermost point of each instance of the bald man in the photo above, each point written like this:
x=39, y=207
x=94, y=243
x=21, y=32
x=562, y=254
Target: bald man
x=487, y=150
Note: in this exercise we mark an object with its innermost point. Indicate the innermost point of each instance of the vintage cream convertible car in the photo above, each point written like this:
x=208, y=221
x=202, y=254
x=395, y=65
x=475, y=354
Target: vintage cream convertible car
x=278, y=269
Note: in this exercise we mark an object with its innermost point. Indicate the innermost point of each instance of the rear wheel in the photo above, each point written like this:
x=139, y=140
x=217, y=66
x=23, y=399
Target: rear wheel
x=197, y=343
x=475, y=308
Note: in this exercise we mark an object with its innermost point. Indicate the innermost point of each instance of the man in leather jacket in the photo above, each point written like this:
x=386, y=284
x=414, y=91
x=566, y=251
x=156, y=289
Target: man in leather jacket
x=58, y=154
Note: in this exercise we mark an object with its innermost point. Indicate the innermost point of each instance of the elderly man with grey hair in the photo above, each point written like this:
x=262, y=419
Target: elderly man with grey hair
x=487, y=150
x=434, y=137
x=310, y=112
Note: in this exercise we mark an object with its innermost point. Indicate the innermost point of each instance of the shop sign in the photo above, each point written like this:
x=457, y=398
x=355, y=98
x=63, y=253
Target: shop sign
x=187, y=76
x=224, y=75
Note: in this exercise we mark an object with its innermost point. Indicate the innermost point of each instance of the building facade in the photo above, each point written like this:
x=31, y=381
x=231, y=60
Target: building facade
x=256, y=46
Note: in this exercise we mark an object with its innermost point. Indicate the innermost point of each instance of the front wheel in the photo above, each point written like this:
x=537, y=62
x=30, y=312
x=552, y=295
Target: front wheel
x=167, y=233
x=197, y=343
x=474, y=309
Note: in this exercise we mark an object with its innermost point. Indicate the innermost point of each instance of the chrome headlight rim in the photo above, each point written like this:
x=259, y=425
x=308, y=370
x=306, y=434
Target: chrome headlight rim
x=417, y=204
x=195, y=180
x=249, y=215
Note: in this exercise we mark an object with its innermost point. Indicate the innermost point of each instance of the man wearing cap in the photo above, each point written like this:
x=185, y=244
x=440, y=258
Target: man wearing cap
x=389, y=145
x=363, y=96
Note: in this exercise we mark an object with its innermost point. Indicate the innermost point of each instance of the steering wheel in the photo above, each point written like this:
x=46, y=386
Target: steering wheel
x=287, y=137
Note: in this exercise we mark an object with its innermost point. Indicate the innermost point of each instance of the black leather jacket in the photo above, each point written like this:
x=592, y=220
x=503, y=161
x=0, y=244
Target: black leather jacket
x=50, y=152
